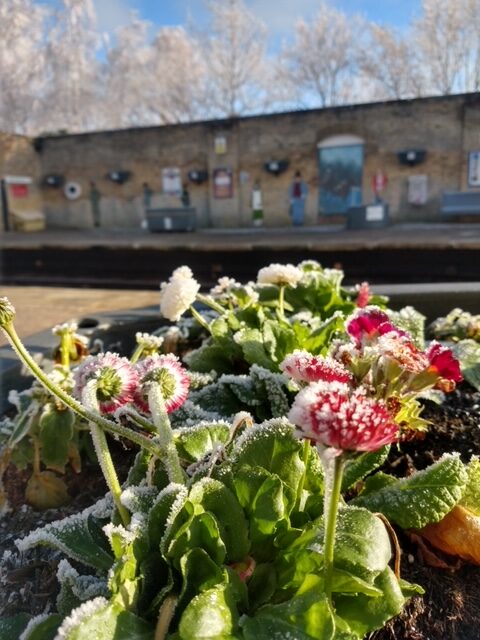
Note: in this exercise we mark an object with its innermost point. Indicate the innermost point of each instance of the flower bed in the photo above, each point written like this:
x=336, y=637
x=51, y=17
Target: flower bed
x=271, y=473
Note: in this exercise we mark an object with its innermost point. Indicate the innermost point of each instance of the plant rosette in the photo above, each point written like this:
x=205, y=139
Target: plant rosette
x=233, y=525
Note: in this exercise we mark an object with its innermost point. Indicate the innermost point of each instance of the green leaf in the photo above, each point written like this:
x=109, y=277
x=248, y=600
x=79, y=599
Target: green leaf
x=307, y=615
x=426, y=496
x=262, y=585
x=201, y=530
x=218, y=356
x=468, y=353
x=412, y=321
x=193, y=443
x=471, y=494
x=254, y=348
x=56, y=431
x=200, y=573
x=211, y=615
x=262, y=496
x=218, y=500
x=320, y=340
x=43, y=628
x=364, y=614
x=103, y=621
x=79, y=536
x=272, y=446
x=162, y=511
x=11, y=628
x=23, y=425
x=358, y=468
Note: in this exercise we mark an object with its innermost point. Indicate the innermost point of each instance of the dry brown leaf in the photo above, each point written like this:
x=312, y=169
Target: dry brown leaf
x=457, y=534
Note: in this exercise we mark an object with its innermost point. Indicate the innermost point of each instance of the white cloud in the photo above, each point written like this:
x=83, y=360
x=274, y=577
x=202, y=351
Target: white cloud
x=112, y=14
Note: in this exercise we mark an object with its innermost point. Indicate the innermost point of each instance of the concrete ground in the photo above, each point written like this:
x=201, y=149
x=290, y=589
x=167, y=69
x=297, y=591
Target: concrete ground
x=40, y=308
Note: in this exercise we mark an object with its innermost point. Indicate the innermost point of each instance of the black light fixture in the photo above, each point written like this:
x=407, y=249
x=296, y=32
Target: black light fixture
x=276, y=167
x=411, y=157
x=198, y=176
x=119, y=177
x=53, y=180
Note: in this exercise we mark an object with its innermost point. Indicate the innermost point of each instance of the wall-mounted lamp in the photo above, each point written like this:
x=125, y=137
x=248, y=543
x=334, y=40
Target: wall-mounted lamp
x=198, y=176
x=119, y=177
x=276, y=167
x=53, y=180
x=411, y=157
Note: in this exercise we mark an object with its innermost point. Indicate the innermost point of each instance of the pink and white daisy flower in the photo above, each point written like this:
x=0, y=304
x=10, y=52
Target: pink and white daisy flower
x=115, y=380
x=302, y=366
x=367, y=324
x=364, y=295
x=331, y=415
x=403, y=351
x=166, y=371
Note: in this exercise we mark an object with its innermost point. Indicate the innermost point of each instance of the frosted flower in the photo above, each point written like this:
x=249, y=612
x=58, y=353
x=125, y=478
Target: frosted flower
x=281, y=274
x=148, y=341
x=402, y=350
x=330, y=415
x=178, y=293
x=115, y=377
x=223, y=286
x=305, y=367
x=364, y=295
x=7, y=312
x=370, y=323
x=445, y=365
x=166, y=371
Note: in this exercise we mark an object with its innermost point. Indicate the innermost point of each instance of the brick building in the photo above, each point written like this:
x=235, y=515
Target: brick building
x=416, y=148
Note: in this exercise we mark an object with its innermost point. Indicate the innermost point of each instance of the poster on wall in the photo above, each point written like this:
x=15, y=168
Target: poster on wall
x=340, y=178
x=418, y=189
x=222, y=183
x=474, y=169
x=171, y=181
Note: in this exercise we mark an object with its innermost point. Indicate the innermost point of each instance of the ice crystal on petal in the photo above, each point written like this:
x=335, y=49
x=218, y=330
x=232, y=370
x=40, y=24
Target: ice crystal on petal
x=331, y=415
x=280, y=274
x=115, y=380
x=305, y=367
x=166, y=371
x=178, y=293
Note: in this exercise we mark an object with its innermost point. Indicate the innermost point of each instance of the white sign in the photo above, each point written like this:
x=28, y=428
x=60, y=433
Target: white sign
x=417, y=189
x=474, y=169
x=171, y=181
x=374, y=213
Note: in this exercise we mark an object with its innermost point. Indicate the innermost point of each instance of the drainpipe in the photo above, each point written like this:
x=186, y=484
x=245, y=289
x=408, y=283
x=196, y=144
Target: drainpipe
x=4, y=201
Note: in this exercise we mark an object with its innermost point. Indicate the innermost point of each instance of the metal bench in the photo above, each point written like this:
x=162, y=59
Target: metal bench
x=172, y=219
x=460, y=203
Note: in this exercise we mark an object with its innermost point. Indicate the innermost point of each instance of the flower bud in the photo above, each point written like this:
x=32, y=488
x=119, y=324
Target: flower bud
x=7, y=312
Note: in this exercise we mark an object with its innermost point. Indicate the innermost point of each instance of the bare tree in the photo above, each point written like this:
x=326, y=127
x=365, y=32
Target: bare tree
x=390, y=60
x=71, y=101
x=128, y=78
x=233, y=50
x=319, y=64
x=22, y=63
x=178, y=72
x=442, y=36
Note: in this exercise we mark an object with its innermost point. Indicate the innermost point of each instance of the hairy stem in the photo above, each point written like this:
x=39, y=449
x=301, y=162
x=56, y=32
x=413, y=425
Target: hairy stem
x=336, y=470
x=74, y=405
x=156, y=404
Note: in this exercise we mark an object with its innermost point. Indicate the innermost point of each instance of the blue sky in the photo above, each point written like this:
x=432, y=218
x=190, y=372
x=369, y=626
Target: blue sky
x=279, y=15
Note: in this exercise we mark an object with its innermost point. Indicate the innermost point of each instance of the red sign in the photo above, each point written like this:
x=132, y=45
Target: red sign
x=379, y=182
x=222, y=183
x=19, y=190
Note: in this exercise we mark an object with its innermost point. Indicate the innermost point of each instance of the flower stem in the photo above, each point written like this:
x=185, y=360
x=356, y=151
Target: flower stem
x=74, y=405
x=336, y=469
x=210, y=302
x=137, y=353
x=201, y=321
x=165, y=617
x=156, y=404
x=281, y=300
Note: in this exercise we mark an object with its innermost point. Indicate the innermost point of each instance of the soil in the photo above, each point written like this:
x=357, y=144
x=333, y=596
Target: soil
x=449, y=610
